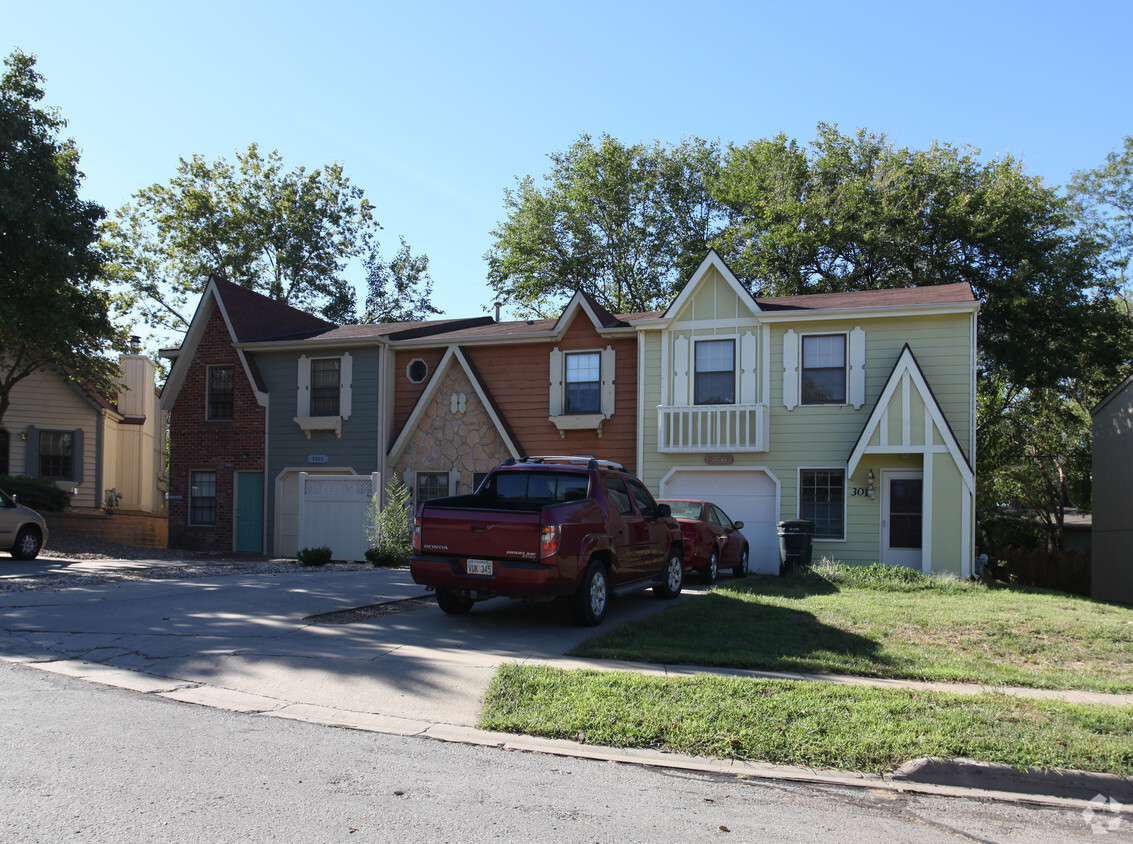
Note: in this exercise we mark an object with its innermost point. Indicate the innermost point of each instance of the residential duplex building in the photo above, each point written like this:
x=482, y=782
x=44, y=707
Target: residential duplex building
x=856, y=411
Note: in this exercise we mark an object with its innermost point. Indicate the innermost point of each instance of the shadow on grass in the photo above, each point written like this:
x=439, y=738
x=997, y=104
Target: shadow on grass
x=797, y=584
x=727, y=628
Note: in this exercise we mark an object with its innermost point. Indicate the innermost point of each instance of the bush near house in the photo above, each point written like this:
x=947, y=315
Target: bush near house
x=38, y=493
x=314, y=556
x=388, y=528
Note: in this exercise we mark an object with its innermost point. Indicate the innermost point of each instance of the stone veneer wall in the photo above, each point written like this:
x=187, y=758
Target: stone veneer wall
x=446, y=439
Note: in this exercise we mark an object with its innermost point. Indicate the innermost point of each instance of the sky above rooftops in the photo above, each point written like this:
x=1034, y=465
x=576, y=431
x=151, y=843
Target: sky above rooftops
x=435, y=108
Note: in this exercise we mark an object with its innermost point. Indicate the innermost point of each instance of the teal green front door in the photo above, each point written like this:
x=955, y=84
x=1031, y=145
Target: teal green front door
x=250, y=512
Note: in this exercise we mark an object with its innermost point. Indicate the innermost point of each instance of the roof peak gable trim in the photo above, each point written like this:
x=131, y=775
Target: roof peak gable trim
x=598, y=315
x=211, y=299
x=711, y=261
x=453, y=356
x=907, y=363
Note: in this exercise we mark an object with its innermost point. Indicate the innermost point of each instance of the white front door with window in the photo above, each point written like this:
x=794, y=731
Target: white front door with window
x=902, y=518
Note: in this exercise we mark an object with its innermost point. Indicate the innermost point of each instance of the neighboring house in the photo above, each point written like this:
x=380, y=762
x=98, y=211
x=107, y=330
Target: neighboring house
x=855, y=411
x=1111, y=562
x=92, y=445
x=464, y=400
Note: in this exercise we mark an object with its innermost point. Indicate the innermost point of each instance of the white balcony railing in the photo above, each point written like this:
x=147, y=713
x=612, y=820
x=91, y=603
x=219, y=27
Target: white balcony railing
x=713, y=427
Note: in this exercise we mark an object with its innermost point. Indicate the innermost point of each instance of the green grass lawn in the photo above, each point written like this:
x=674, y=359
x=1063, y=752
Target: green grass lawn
x=800, y=723
x=878, y=621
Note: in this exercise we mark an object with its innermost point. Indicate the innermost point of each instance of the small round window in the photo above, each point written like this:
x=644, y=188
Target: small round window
x=417, y=371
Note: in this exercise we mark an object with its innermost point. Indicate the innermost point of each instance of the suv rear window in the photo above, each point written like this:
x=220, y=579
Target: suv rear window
x=545, y=487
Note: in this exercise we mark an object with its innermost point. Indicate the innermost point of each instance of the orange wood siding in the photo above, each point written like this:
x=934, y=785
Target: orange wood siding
x=517, y=377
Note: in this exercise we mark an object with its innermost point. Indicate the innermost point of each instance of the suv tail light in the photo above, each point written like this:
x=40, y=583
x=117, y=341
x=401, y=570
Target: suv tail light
x=417, y=536
x=549, y=540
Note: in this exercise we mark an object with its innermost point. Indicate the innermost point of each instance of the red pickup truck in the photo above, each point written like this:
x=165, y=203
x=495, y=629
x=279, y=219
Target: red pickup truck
x=540, y=528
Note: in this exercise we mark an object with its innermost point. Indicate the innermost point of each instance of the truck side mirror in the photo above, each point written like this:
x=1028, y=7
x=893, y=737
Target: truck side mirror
x=664, y=511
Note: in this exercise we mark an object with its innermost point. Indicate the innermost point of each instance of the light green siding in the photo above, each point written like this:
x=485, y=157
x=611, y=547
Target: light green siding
x=948, y=501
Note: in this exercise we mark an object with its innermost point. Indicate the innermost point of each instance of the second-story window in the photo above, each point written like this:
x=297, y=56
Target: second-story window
x=220, y=392
x=715, y=372
x=325, y=383
x=824, y=369
x=583, y=382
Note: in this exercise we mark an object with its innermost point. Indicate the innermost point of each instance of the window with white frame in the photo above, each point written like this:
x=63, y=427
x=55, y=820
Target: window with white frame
x=715, y=380
x=822, y=499
x=583, y=382
x=202, y=498
x=325, y=386
x=823, y=369
x=581, y=394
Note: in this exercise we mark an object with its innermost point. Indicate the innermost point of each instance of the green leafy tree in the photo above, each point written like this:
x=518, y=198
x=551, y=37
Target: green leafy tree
x=626, y=224
x=853, y=212
x=1105, y=199
x=399, y=290
x=51, y=310
x=286, y=234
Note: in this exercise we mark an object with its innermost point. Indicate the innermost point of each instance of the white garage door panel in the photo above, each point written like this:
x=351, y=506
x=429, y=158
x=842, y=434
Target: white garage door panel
x=750, y=497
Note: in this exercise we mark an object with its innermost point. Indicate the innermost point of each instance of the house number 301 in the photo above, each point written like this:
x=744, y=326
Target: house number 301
x=858, y=490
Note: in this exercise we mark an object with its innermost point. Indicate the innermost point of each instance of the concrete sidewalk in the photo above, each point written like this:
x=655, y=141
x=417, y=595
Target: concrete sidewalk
x=251, y=643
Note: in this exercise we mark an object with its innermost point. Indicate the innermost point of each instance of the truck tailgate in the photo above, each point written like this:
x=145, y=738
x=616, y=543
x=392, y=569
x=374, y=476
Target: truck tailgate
x=480, y=534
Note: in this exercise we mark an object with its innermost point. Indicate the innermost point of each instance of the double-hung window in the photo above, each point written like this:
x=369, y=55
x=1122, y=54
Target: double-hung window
x=824, y=369
x=431, y=485
x=220, y=392
x=57, y=455
x=583, y=382
x=715, y=372
x=325, y=384
x=822, y=497
x=202, y=498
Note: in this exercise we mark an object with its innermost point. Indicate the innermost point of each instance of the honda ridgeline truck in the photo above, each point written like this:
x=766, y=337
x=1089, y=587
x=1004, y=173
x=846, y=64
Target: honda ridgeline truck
x=541, y=528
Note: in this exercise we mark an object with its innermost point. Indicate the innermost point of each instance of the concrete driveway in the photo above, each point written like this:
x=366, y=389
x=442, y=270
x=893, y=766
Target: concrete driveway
x=252, y=634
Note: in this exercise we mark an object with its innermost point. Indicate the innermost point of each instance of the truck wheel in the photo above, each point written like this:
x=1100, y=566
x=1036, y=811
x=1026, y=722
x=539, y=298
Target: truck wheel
x=592, y=597
x=708, y=573
x=453, y=603
x=670, y=587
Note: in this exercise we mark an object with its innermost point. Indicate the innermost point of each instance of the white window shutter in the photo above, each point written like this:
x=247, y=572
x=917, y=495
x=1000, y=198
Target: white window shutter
x=303, y=401
x=346, y=374
x=609, y=357
x=680, y=371
x=555, y=393
x=790, y=369
x=747, y=369
x=857, y=367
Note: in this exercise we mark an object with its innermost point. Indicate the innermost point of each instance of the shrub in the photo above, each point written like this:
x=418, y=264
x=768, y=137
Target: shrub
x=388, y=528
x=37, y=493
x=314, y=556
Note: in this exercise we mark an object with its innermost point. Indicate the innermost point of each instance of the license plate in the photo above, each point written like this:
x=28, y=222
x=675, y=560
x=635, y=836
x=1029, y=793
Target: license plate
x=479, y=567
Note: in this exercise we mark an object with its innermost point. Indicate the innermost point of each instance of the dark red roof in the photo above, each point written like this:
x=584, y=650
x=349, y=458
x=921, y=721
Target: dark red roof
x=258, y=317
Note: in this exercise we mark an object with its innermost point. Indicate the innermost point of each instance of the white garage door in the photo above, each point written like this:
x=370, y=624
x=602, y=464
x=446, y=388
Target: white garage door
x=746, y=495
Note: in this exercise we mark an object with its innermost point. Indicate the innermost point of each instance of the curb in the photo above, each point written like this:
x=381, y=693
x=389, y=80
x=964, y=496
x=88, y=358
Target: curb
x=1075, y=790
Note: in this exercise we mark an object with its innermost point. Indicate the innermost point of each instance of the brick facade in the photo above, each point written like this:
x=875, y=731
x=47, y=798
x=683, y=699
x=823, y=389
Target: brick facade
x=200, y=444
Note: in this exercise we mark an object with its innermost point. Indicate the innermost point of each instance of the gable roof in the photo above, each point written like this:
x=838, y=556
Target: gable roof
x=711, y=261
x=251, y=316
x=907, y=365
x=454, y=356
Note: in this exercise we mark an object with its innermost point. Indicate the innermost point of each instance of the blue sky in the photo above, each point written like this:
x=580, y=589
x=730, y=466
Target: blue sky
x=435, y=107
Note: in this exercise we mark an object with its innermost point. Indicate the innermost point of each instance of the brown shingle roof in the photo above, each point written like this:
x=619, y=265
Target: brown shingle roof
x=257, y=317
x=933, y=294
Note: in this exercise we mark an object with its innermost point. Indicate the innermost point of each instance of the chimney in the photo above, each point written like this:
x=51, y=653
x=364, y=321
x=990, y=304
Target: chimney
x=135, y=344
x=497, y=304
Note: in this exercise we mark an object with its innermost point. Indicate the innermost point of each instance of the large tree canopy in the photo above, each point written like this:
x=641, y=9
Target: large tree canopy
x=856, y=213
x=626, y=224
x=50, y=310
x=398, y=290
x=288, y=235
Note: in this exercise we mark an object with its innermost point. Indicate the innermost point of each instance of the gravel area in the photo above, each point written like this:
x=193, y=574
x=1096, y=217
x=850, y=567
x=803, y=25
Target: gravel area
x=71, y=559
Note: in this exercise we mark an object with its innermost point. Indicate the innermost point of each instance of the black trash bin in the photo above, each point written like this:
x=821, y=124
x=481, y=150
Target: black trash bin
x=794, y=545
